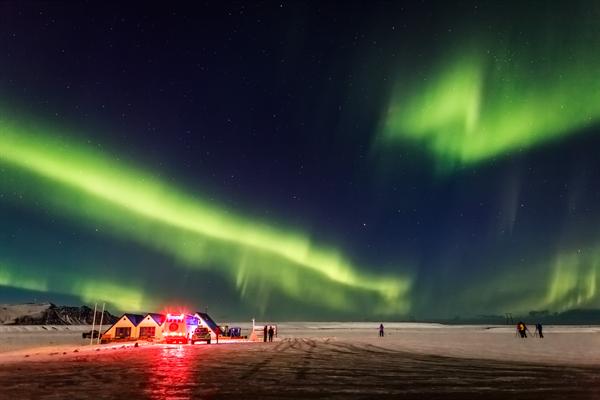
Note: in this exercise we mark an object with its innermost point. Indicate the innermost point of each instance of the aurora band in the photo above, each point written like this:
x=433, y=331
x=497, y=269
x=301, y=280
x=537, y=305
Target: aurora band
x=256, y=255
x=482, y=98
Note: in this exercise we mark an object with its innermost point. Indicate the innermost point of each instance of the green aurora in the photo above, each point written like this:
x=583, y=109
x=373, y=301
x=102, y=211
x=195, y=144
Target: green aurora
x=484, y=115
x=567, y=280
x=487, y=96
x=89, y=288
x=83, y=184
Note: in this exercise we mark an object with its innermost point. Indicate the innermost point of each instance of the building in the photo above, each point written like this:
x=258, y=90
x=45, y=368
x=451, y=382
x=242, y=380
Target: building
x=125, y=328
x=176, y=328
x=151, y=327
x=207, y=322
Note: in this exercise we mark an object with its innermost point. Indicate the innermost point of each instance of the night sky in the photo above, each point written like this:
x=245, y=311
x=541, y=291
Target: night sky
x=289, y=160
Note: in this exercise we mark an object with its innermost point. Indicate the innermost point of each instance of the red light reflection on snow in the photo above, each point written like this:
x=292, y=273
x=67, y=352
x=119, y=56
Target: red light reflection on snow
x=171, y=377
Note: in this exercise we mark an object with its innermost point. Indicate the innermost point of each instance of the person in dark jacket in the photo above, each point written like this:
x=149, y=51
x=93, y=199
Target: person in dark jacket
x=271, y=333
x=265, y=335
x=522, y=329
x=381, y=330
x=538, y=329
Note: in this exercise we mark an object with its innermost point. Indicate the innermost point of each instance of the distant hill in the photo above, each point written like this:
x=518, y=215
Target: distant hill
x=575, y=317
x=50, y=314
x=569, y=317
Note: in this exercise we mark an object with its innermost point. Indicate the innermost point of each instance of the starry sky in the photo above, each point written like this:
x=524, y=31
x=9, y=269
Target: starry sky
x=293, y=160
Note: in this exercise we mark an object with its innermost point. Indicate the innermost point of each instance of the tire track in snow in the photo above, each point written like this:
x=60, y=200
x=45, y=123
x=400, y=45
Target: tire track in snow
x=306, y=360
x=283, y=346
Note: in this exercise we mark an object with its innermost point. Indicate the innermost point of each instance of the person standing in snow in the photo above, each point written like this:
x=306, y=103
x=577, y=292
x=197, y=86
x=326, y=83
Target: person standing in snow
x=522, y=329
x=265, y=334
x=271, y=333
x=538, y=329
x=381, y=330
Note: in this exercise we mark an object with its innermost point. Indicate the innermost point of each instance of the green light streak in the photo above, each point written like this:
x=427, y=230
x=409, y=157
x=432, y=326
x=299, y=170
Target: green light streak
x=574, y=280
x=568, y=280
x=124, y=297
x=90, y=289
x=137, y=206
x=12, y=278
x=488, y=101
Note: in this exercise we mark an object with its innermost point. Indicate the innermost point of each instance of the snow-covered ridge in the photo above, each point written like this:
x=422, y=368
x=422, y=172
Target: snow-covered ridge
x=48, y=314
x=46, y=329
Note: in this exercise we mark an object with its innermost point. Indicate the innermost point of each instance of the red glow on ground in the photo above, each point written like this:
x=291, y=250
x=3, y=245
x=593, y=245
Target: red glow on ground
x=171, y=377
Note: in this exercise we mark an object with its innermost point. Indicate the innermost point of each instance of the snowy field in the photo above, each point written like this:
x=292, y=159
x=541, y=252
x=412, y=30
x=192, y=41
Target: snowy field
x=572, y=345
x=14, y=338
x=310, y=360
x=562, y=345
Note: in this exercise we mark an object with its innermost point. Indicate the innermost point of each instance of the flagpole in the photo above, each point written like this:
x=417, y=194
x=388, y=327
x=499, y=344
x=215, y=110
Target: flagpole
x=93, y=325
x=100, y=328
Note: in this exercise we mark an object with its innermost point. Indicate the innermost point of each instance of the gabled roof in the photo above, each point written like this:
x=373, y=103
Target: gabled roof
x=211, y=323
x=134, y=318
x=158, y=318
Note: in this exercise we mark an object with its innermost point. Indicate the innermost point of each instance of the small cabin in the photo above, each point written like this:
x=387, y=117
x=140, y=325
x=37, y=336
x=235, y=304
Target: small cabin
x=151, y=327
x=125, y=328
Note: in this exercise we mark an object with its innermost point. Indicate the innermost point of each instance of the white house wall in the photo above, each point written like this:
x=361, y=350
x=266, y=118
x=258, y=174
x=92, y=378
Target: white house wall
x=148, y=321
x=124, y=322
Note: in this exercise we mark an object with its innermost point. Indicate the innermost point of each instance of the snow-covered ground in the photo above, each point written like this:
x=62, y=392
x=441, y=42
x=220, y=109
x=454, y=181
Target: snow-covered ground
x=573, y=345
x=313, y=360
x=562, y=345
x=28, y=337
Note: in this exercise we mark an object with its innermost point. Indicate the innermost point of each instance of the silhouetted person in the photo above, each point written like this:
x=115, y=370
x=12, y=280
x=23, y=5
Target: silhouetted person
x=522, y=329
x=265, y=335
x=538, y=329
x=271, y=333
x=381, y=330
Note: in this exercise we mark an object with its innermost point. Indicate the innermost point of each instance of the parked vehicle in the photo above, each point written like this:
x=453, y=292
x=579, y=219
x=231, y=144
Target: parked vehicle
x=88, y=334
x=234, y=332
x=200, y=334
x=179, y=328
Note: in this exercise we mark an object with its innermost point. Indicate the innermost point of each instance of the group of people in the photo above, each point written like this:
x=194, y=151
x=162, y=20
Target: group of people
x=522, y=330
x=269, y=332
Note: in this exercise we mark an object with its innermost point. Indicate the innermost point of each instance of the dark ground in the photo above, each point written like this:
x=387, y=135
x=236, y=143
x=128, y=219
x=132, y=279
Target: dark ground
x=290, y=369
